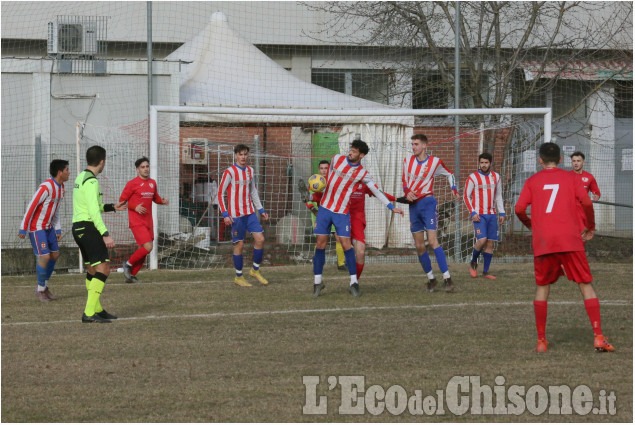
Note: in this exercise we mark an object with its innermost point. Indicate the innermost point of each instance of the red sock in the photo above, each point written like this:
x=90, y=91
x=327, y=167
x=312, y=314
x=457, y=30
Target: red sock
x=540, y=311
x=360, y=269
x=592, y=306
x=137, y=259
x=139, y=254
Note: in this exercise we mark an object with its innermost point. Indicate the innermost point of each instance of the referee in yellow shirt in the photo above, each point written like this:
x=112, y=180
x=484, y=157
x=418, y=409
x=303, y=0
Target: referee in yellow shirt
x=90, y=233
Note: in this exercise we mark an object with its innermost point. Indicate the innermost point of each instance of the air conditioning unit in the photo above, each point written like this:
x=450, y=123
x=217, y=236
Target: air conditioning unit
x=193, y=151
x=72, y=37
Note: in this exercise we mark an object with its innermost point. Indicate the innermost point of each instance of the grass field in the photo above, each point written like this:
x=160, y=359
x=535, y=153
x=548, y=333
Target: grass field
x=193, y=347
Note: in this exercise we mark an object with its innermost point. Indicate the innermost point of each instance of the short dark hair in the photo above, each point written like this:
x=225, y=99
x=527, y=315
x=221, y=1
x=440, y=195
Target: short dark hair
x=420, y=136
x=240, y=148
x=578, y=153
x=140, y=161
x=94, y=155
x=549, y=153
x=56, y=166
x=324, y=161
x=360, y=145
x=486, y=155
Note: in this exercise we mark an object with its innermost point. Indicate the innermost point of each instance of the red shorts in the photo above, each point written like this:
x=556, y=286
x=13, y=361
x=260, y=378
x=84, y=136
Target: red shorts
x=548, y=268
x=358, y=226
x=142, y=234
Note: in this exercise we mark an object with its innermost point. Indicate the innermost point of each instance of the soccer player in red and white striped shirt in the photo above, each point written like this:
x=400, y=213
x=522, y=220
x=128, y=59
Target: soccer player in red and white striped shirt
x=554, y=196
x=482, y=189
x=42, y=222
x=238, y=181
x=419, y=171
x=344, y=174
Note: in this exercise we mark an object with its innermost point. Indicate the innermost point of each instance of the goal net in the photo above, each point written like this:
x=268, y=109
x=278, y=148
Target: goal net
x=194, y=149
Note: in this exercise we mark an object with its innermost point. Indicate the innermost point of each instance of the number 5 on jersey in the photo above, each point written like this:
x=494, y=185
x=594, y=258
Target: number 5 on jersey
x=554, y=191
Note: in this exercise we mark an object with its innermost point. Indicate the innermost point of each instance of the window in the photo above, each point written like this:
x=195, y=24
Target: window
x=568, y=99
x=366, y=84
x=430, y=92
x=623, y=99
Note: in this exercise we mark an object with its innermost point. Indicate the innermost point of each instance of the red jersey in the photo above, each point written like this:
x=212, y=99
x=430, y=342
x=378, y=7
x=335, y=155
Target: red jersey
x=357, y=206
x=140, y=192
x=242, y=190
x=341, y=180
x=418, y=177
x=481, y=191
x=554, y=196
x=43, y=210
x=590, y=185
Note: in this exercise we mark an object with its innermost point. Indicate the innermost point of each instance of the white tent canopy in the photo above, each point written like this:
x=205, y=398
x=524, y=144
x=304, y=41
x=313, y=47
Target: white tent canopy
x=220, y=68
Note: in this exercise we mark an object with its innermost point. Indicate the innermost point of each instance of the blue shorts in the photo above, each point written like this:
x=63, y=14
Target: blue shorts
x=325, y=218
x=246, y=223
x=487, y=227
x=44, y=241
x=423, y=215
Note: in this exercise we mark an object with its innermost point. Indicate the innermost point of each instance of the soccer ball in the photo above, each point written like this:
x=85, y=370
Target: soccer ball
x=317, y=183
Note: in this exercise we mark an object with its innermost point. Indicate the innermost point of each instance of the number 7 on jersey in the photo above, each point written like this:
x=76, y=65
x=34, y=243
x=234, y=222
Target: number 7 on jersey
x=554, y=191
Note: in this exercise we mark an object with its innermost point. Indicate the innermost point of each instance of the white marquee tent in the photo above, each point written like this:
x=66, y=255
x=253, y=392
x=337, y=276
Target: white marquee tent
x=220, y=68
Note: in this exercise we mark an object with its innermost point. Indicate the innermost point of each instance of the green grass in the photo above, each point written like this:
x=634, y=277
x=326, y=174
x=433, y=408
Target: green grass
x=193, y=347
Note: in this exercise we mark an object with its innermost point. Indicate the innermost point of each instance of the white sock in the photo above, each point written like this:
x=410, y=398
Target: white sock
x=318, y=279
x=239, y=273
x=446, y=275
x=430, y=275
x=353, y=279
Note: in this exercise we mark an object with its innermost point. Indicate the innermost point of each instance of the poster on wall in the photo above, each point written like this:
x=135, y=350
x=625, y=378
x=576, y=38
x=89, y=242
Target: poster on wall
x=566, y=152
x=627, y=159
x=529, y=161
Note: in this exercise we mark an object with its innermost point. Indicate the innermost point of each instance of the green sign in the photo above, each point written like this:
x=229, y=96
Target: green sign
x=324, y=146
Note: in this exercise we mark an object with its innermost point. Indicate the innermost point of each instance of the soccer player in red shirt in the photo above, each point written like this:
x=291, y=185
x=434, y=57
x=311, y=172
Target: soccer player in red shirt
x=482, y=190
x=419, y=171
x=587, y=179
x=42, y=222
x=139, y=193
x=239, y=182
x=345, y=172
x=554, y=195
x=357, y=211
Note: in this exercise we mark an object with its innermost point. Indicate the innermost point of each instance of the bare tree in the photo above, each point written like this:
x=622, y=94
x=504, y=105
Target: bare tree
x=497, y=42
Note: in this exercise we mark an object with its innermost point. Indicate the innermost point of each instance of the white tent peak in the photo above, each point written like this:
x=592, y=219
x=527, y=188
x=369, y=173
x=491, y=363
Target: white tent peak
x=220, y=68
x=218, y=16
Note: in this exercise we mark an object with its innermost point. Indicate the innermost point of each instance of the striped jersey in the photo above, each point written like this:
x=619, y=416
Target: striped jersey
x=241, y=190
x=43, y=210
x=481, y=191
x=340, y=182
x=418, y=176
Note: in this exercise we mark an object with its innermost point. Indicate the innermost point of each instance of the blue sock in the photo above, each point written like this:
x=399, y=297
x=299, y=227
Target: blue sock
x=424, y=259
x=350, y=261
x=238, y=264
x=318, y=261
x=487, y=259
x=475, y=255
x=258, y=253
x=441, y=261
x=41, y=275
x=49, y=268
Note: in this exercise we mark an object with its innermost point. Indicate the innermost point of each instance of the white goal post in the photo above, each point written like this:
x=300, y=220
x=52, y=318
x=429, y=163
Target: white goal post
x=331, y=114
